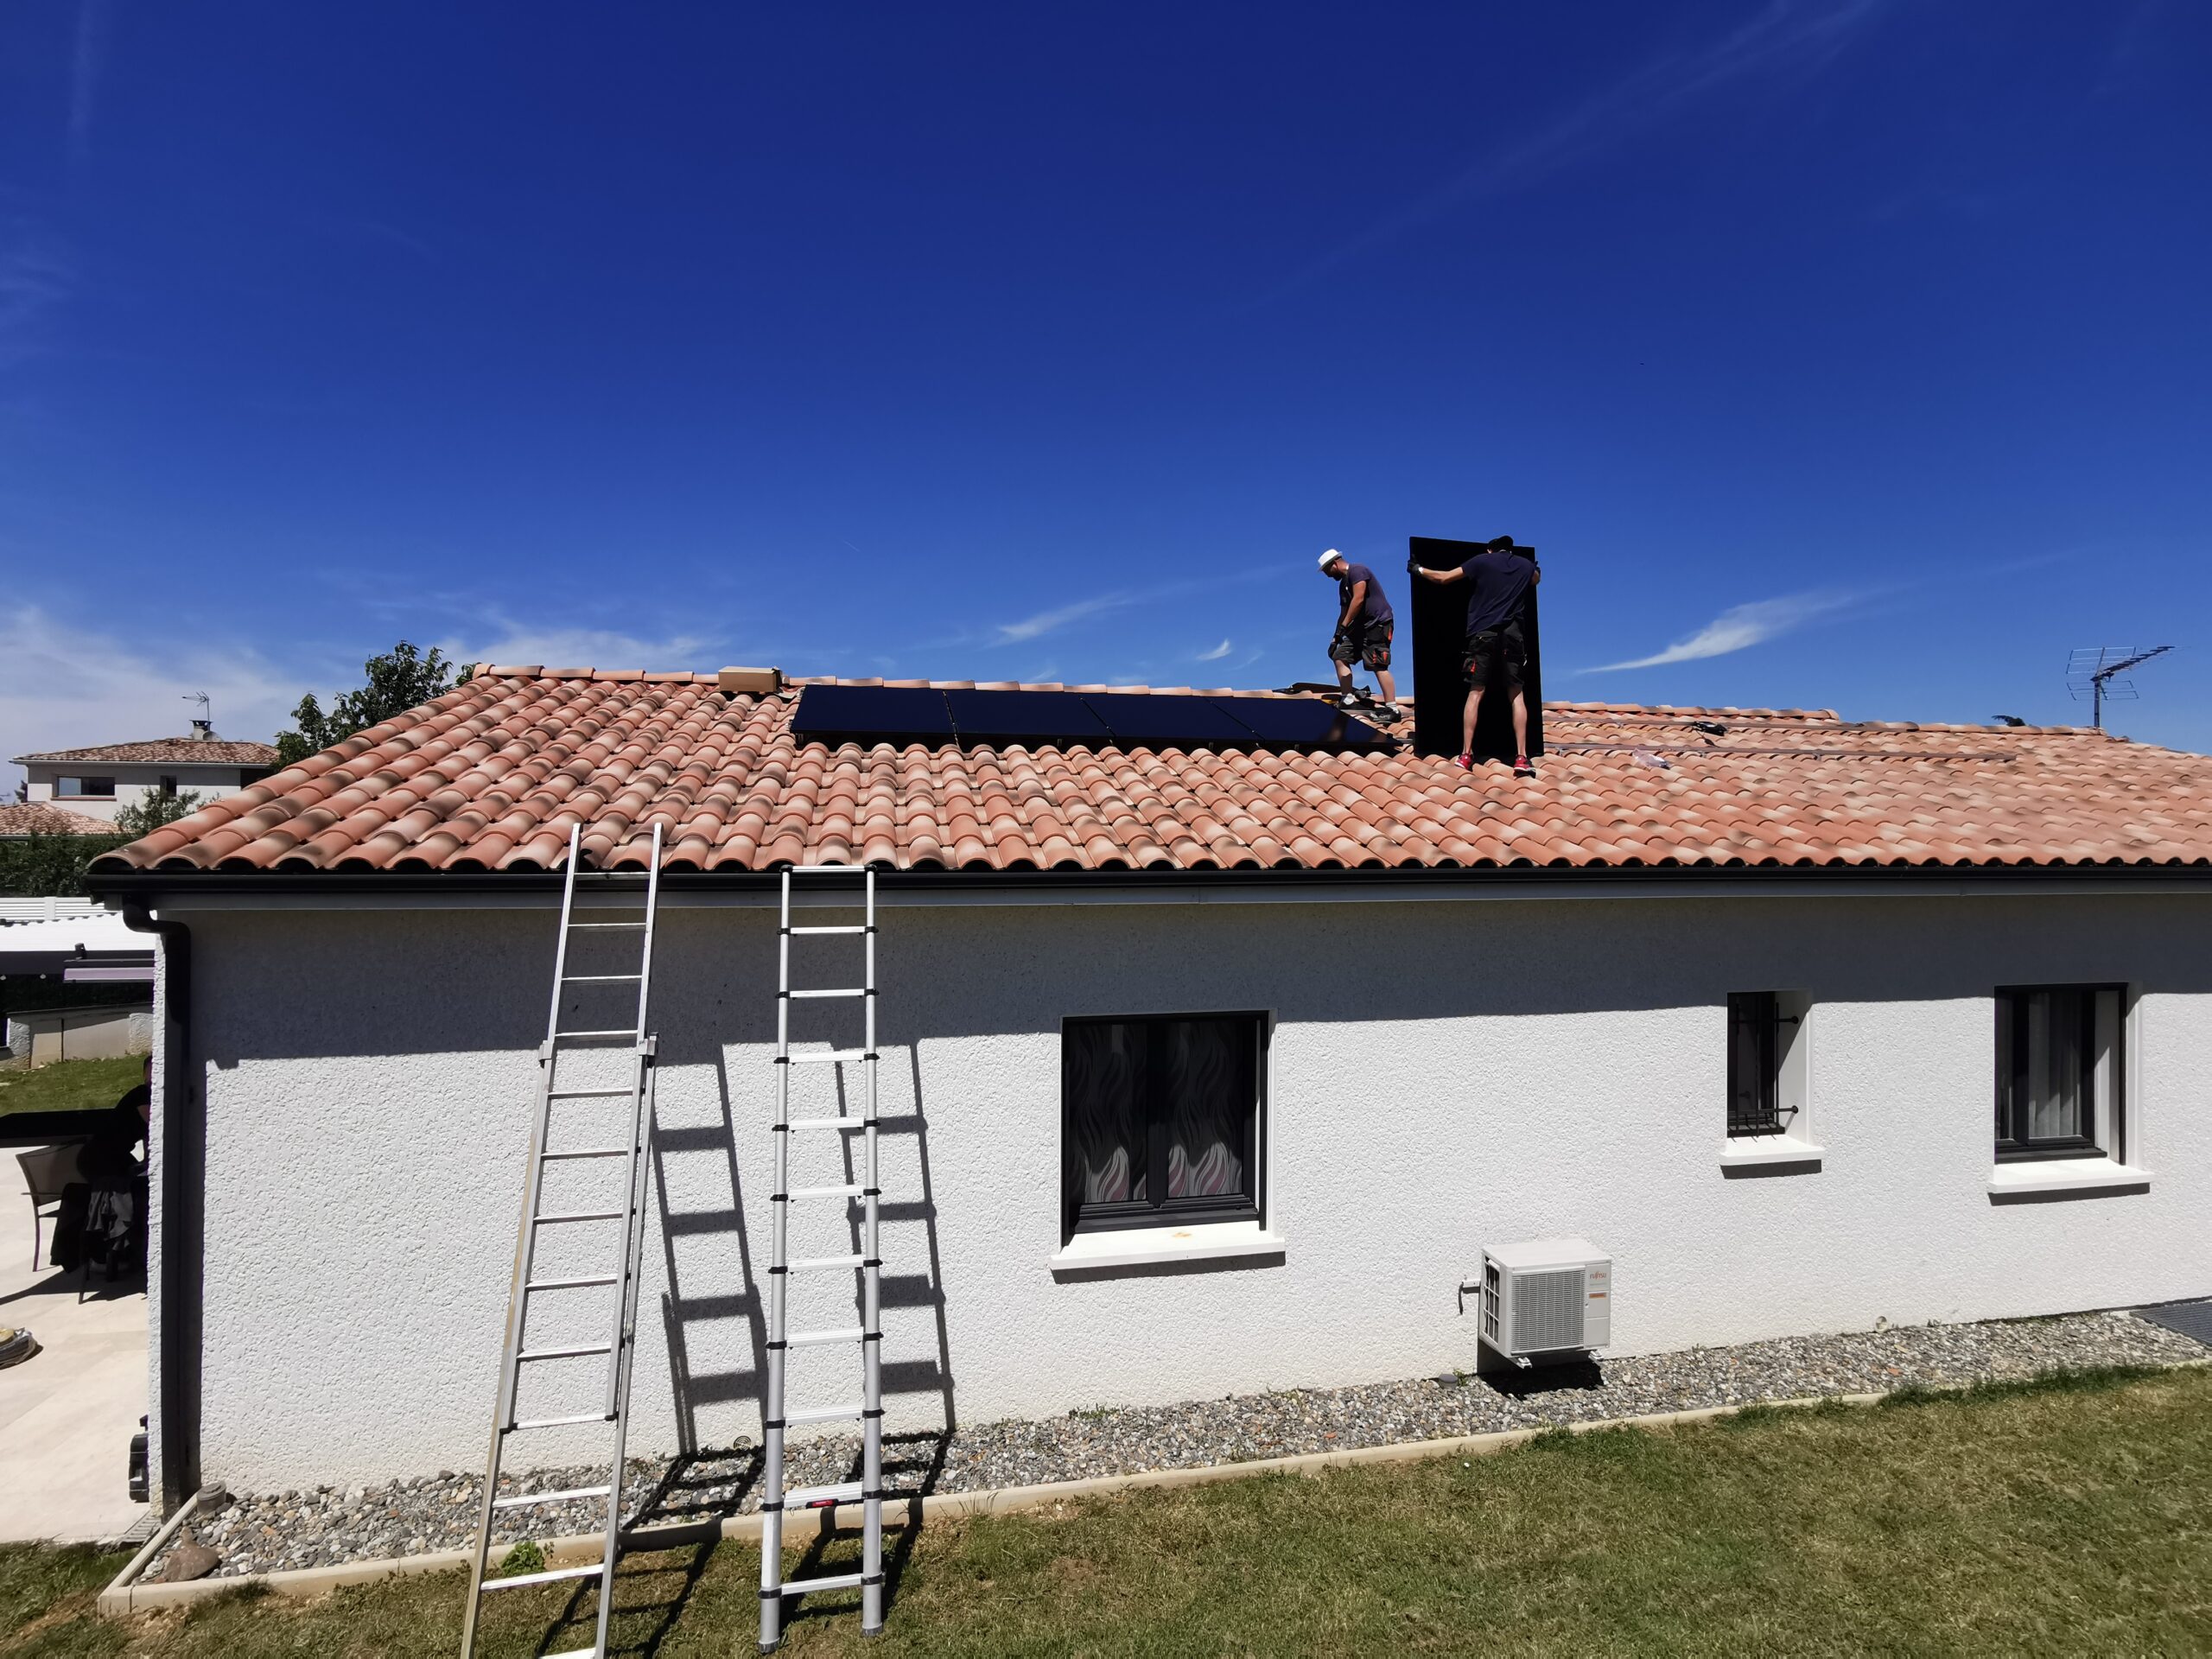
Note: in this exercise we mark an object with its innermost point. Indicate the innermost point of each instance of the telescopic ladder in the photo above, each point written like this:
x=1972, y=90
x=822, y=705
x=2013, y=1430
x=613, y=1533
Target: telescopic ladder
x=581, y=1219
x=777, y=1498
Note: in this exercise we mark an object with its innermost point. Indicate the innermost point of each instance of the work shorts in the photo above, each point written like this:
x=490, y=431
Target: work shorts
x=1369, y=644
x=1497, y=657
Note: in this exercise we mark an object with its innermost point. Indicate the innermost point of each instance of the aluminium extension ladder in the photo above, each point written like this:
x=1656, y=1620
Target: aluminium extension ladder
x=868, y=1489
x=626, y=1206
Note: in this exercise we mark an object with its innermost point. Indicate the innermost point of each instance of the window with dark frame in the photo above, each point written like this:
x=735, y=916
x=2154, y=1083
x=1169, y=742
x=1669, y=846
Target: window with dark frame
x=166, y=787
x=1160, y=1120
x=1755, y=1021
x=2051, y=1041
x=84, y=788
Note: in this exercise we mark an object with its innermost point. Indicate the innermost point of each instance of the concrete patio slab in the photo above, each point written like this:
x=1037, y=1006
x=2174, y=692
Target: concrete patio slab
x=66, y=1413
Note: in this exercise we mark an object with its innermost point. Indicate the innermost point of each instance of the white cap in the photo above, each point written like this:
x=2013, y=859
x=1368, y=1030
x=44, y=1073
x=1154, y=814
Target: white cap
x=1328, y=556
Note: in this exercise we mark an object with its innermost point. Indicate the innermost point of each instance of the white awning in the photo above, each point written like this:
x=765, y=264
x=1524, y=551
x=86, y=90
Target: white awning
x=77, y=947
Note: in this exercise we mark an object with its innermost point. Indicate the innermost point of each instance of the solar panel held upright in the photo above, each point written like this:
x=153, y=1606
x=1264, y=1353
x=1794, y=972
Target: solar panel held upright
x=1439, y=646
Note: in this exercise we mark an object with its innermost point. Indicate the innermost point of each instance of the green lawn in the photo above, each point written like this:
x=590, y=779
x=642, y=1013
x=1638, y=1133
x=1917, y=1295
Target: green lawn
x=2072, y=1515
x=70, y=1085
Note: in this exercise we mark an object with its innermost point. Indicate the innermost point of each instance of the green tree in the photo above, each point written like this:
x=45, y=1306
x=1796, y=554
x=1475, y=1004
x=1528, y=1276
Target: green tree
x=152, y=811
x=34, y=867
x=401, y=679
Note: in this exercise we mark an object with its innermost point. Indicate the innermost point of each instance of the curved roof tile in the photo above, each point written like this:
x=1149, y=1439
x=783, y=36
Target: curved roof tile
x=490, y=776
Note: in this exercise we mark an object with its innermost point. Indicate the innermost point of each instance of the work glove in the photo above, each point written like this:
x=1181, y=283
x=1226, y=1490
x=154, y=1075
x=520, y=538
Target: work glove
x=1412, y=565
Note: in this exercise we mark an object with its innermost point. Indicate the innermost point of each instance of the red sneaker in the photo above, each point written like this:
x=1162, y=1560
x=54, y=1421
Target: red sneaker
x=1465, y=763
x=1522, y=768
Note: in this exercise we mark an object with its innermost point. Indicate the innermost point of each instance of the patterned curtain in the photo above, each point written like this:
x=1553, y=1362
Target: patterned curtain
x=1208, y=1084
x=1106, y=1070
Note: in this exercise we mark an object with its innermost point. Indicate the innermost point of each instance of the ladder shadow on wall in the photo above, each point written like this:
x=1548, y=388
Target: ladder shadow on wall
x=913, y=1459
x=705, y=1482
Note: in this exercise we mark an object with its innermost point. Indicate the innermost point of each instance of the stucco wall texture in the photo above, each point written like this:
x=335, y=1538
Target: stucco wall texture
x=1443, y=1075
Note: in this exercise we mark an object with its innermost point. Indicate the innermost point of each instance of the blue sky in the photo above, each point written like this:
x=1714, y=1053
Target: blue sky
x=1834, y=353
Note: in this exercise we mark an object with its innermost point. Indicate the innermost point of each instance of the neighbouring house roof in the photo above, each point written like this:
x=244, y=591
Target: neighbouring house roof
x=37, y=818
x=181, y=751
x=490, y=776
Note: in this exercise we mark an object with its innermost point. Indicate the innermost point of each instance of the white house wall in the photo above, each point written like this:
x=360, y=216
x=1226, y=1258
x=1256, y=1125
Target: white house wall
x=134, y=782
x=1443, y=1075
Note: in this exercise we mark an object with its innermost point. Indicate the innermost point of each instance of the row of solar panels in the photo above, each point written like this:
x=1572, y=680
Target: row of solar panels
x=894, y=714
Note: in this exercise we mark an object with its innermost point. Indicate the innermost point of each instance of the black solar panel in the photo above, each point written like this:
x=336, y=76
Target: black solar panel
x=1302, y=723
x=1000, y=717
x=1145, y=717
x=899, y=714
x=881, y=711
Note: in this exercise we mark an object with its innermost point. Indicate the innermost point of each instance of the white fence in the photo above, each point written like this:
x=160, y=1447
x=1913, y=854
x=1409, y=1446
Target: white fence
x=48, y=910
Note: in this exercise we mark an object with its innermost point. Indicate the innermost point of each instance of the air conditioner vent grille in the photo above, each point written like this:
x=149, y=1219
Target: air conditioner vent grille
x=1547, y=1310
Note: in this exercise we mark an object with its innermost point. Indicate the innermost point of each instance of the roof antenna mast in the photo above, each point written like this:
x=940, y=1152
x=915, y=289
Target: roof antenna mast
x=2093, y=669
x=203, y=728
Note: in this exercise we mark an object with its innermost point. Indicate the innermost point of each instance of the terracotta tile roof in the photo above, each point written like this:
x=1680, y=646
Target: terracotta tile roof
x=490, y=776
x=37, y=818
x=185, y=751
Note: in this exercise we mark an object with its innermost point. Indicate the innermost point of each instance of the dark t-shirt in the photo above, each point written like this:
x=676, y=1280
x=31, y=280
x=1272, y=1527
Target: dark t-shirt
x=1374, y=607
x=1496, y=583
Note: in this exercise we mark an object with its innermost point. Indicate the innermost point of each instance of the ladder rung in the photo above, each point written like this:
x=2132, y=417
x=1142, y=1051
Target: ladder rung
x=588, y=1152
x=574, y=1653
x=815, y=1338
x=829, y=869
x=862, y=991
x=804, y=1497
x=600, y=979
x=528, y=1498
x=790, y=1586
x=572, y=1284
x=843, y=927
x=574, y=926
x=626, y=1031
x=552, y=1576
x=826, y=1123
x=850, y=1190
x=588, y=1094
x=808, y=1263
x=562, y=1422
x=581, y=1215
x=824, y=1413
x=573, y=1352
x=832, y=1057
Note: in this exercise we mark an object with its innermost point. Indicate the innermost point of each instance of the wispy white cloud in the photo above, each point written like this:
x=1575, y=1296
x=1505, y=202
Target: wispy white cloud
x=63, y=686
x=374, y=232
x=1740, y=628
x=84, y=75
x=500, y=639
x=1031, y=627
x=1787, y=37
x=35, y=276
x=1216, y=654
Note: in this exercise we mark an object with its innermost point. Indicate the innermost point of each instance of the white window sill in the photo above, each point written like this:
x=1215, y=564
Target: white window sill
x=1739, y=1150
x=1137, y=1246
x=2065, y=1175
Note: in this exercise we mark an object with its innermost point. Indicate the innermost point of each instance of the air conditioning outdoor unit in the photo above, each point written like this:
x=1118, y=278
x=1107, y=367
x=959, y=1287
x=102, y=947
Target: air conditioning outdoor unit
x=1549, y=1298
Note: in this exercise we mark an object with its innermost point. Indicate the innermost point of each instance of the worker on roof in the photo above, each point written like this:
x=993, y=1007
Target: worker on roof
x=1498, y=582
x=1365, y=624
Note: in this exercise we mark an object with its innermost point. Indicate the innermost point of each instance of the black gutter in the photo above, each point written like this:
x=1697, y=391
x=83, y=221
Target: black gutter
x=184, y=1148
x=142, y=885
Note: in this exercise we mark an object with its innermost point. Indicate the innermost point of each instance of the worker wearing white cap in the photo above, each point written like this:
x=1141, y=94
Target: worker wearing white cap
x=1364, y=624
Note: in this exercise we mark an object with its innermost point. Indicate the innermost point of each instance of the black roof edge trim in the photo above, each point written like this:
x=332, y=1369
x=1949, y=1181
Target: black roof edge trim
x=134, y=884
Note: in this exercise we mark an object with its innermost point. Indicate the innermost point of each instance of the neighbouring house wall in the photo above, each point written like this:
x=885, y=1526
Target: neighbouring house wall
x=134, y=781
x=1444, y=1074
x=41, y=1036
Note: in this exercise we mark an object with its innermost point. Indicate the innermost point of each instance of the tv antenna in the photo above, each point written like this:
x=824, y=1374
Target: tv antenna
x=206, y=715
x=2095, y=668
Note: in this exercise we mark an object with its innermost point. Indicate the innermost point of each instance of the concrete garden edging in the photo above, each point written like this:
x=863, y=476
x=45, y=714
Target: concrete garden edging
x=126, y=1596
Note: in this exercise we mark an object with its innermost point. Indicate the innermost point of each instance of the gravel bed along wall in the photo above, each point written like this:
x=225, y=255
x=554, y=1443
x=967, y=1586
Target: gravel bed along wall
x=267, y=1532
